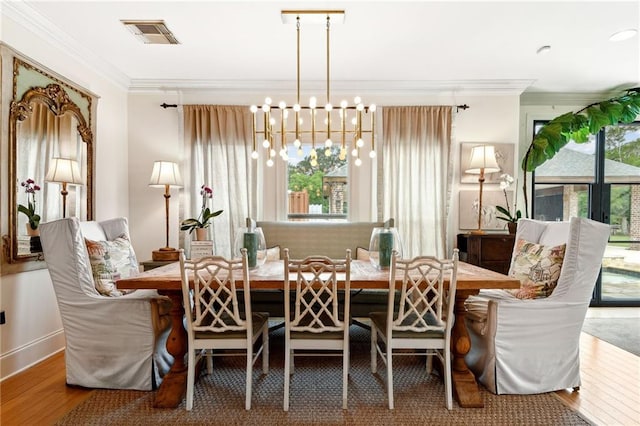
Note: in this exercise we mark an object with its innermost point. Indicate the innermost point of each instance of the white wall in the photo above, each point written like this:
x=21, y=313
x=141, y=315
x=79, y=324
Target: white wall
x=33, y=329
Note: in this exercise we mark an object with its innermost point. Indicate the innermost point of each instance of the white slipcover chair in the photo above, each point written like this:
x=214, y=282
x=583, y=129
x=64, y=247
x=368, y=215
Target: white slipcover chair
x=532, y=346
x=111, y=342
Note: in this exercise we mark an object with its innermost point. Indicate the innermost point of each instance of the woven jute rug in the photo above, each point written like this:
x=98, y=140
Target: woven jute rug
x=316, y=397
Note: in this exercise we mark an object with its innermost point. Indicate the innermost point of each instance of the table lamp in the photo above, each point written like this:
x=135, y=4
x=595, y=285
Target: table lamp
x=166, y=174
x=483, y=160
x=64, y=171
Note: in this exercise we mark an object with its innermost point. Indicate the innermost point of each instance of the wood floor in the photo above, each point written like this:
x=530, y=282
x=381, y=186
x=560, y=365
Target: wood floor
x=610, y=392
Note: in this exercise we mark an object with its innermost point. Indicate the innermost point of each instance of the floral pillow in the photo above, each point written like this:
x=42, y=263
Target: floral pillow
x=111, y=261
x=537, y=267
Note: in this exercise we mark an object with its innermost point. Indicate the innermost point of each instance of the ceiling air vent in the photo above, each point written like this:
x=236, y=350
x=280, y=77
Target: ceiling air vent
x=151, y=32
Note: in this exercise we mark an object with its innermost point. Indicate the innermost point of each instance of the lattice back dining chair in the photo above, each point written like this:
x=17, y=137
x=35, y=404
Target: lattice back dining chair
x=319, y=322
x=214, y=318
x=422, y=318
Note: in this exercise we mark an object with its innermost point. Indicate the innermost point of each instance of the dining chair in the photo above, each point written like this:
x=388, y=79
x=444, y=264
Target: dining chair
x=420, y=320
x=318, y=321
x=530, y=346
x=115, y=341
x=214, y=319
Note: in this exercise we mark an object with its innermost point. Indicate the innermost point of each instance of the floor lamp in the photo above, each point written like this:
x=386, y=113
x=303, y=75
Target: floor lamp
x=483, y=160
x=166, y=174
x=64, y=171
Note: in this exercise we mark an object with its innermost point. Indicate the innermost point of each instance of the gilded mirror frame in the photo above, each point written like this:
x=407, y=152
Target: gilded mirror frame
x=59, y=97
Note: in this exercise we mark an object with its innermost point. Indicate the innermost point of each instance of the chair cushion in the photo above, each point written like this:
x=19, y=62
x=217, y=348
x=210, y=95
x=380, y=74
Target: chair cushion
x=379, y=319
x=258, y=320
x=537, y=266
x=110, y=261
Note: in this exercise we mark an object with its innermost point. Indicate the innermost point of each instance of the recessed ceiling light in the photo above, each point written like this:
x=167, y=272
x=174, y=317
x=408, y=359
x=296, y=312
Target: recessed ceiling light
x=543, y=49
x=623, y=35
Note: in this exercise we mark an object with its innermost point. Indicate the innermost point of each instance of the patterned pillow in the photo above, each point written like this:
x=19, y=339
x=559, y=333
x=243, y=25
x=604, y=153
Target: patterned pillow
x=537, y=267
x=110, y=261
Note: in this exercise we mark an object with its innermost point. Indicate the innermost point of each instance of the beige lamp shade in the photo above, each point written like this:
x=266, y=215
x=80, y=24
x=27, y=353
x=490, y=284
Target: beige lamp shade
x=483, y=159
x=165, y=173
x=64, y=170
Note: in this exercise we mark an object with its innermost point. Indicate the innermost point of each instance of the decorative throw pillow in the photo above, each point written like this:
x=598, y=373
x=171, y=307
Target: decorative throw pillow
x=110, y=261
x=537, y=267
x=362, y=253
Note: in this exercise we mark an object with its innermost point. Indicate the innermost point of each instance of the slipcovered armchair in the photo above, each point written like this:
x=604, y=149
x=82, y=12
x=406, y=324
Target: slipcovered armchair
x=114, y=342
x=532, y=346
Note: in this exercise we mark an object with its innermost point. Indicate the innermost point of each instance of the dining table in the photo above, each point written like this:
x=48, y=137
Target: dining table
x=270, y=275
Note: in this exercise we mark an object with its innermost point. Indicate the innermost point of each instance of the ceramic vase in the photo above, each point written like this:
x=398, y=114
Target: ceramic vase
x=201, y=234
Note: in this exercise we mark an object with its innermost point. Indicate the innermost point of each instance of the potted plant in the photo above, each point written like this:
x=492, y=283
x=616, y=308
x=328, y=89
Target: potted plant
x=511, y=219
x=30, y=188
x=202, y=222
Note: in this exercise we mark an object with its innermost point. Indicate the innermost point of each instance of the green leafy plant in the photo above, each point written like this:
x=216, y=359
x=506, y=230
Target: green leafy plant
x=505, y=182
x=203, y=220
x=30, y=188
x=577, y=126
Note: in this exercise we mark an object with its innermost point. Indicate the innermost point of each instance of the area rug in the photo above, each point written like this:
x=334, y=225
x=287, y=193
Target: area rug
x=316, y=397
x=621, y=332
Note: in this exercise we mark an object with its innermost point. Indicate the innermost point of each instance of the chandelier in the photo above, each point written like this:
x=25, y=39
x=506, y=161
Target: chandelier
x=324, y=127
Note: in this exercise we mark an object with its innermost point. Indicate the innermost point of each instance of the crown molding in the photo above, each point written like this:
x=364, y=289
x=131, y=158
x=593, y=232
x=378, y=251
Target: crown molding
x=568, y=98
x=30, y=19
x=339, y=87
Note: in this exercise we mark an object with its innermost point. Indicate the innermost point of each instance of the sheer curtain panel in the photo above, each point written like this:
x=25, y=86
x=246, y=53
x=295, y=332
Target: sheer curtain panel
x=218, y=154
x=416, y=175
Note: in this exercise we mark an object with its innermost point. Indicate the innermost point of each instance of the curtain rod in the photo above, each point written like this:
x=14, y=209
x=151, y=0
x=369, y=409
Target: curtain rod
x=458, y=107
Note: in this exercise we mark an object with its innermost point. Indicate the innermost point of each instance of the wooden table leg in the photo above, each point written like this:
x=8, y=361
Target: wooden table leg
x=464, y=383
x=174, y=384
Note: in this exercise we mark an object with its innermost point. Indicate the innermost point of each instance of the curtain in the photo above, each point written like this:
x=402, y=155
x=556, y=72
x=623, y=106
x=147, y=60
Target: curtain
x=416, y=176
x=218, y=154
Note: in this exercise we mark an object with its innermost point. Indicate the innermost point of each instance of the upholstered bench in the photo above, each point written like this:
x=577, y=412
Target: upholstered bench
x=330, y=239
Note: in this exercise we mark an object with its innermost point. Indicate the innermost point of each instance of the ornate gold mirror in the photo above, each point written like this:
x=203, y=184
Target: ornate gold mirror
x=51, y=157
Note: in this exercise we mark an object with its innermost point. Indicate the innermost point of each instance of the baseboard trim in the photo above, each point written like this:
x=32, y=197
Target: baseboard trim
x=25, y=356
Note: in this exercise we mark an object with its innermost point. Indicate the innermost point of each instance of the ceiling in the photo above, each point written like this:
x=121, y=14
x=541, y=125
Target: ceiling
x=415, y=46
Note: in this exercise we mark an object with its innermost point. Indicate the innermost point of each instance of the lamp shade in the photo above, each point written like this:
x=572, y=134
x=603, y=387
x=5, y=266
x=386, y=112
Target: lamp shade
x=64, y=170
x=165, y=173
x=483, y=159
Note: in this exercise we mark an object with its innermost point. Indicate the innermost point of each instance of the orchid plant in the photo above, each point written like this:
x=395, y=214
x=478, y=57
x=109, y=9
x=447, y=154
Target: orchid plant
x=203, y=220
x=30, y=188
x=506, y=181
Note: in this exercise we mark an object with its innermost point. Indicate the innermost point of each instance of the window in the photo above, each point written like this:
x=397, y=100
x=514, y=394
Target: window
x=317, y=189
x=600, y=180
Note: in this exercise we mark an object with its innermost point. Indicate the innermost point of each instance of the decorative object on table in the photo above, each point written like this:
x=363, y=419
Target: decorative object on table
x=512, y=220
x=384, y=241
x=64, y=171
x=251, y=239
x=166, y=174
x=483, y=160
x=348, y=121
x=202, y=222
x=30, y=188
x=201, y=248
